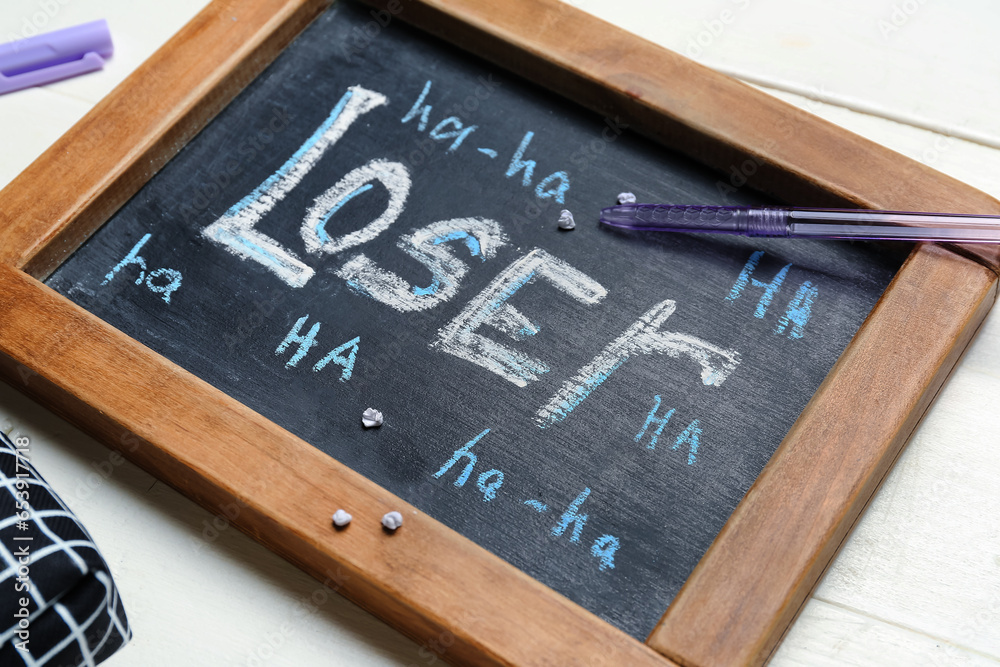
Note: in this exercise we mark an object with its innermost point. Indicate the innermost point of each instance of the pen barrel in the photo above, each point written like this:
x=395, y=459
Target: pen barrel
x=806, y=223
x=764, y=221
x=712, y=219
x=893, y=225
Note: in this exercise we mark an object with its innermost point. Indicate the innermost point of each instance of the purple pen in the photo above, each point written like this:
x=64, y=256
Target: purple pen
x=806, y=223
x=53, y=56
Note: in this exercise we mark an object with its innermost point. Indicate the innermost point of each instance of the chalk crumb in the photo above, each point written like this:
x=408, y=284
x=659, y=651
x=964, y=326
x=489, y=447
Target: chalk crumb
x=341, y=518
x=566, y=220
x=392, y=520
x=371, y=418
x=626, y=198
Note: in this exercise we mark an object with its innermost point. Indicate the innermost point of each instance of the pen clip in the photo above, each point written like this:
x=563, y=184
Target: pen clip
x=90, y=62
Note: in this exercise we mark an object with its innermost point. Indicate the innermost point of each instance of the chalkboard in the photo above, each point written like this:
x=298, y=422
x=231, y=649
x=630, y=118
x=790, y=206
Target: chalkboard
x=374, y=223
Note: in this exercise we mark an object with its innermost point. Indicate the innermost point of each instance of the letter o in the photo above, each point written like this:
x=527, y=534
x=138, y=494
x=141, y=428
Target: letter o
x=393, y=175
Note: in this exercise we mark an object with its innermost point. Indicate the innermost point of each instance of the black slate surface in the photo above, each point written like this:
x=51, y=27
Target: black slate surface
x=615, y=524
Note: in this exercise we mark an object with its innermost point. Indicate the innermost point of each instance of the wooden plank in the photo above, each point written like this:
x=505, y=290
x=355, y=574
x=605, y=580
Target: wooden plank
x=425, y=579
x=752, y=582
x=106, y=157
x=827, y=635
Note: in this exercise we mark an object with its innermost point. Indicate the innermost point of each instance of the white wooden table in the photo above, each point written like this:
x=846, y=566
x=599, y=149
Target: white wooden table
x=919, y=580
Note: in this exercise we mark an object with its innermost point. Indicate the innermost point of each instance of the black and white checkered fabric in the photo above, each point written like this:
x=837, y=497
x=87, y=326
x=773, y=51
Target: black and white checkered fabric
x=52, y=573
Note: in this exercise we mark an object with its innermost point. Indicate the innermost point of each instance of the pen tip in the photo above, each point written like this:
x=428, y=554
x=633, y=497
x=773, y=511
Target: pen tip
x=622, y=215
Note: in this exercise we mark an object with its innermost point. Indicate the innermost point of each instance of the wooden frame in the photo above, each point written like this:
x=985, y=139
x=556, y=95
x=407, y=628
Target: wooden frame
x=430, y=582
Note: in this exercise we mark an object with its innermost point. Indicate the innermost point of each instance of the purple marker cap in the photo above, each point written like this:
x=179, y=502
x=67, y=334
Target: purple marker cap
x=54, y=56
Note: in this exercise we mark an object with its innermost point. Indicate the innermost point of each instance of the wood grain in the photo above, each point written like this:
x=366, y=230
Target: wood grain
x=755, y=577
x=426, y=579
x=429, y=581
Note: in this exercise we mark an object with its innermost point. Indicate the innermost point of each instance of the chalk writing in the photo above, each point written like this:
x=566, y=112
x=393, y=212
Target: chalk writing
x=573, y=517
x=433, y=247
x=690, y=436
x=770, y=289
x=518, y=164
x=430, y=247
x=555, y=185
x=419, y=107
x=458, y=133
x=171, y=278
x=170, y=284
x=488, y=483
x=306, y=342
x=338, y=357
x=235, y=229
x=396, y=179
x=660, y=422
x=440, y=132
x=642, y=338
x=490, y=307
x=799, y=309
x=604, y=547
